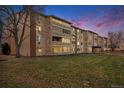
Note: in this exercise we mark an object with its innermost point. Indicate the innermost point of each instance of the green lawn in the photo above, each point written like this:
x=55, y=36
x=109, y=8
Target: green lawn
x=64, y=71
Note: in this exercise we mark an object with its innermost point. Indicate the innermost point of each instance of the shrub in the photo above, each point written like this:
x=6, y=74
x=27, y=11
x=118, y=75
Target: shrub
x=5, y=49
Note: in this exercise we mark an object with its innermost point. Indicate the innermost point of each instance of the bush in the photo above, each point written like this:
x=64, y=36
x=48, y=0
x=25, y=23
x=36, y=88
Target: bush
x=5, y=49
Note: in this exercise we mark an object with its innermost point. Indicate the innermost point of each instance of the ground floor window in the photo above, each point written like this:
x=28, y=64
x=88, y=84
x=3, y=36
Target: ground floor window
x=38, y=51
x=61, y=49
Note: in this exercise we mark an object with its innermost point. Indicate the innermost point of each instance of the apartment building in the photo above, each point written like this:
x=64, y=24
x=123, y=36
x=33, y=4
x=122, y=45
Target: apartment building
x=51, y=35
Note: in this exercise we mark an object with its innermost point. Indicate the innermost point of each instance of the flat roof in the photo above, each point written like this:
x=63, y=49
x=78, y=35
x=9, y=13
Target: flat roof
x=105, y=37
x=59, y=18
x=92, y=32
x=78, y=28
x=41, y=14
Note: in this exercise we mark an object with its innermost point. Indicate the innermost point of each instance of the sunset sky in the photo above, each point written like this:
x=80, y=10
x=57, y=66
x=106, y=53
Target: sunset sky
x=100, y=19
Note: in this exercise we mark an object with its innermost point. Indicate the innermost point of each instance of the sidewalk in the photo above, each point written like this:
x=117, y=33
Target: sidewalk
x=118, y=54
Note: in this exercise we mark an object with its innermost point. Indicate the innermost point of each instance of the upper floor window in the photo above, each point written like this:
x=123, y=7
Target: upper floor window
x=65, y=40
x=78, y=43
x=78, y=31
x=38, y=38
x=55, y=38
x=38, y=28
x=56, y=28
x=66, y=31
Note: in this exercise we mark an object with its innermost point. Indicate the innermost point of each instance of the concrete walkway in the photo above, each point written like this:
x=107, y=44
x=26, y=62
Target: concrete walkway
x=115, y=54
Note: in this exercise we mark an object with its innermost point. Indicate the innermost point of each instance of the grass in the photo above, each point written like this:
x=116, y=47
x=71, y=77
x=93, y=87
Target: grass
x=64, y=71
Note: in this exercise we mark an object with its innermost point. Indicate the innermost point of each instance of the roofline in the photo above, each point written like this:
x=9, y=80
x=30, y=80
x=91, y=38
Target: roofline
x=59, y=18
x=105, y=37
x=100, y=36
x=92, y=32
x=78, y=28
x=41, y=14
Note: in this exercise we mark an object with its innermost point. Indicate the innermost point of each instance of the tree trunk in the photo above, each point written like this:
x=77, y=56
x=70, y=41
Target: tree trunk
x=17, y=51
x=112, y=49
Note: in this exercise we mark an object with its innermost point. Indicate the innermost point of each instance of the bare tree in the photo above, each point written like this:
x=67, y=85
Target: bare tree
x=1, y=30
x=121, y=40
x=115, y=39
x=15, y=16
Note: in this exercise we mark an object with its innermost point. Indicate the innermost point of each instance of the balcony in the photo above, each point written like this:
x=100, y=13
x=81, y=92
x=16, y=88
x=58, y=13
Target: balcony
x=57, y=43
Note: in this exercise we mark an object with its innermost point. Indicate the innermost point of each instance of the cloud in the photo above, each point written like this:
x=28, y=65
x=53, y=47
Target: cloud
x=78, y=23
x=112, y=17
x=81, y=22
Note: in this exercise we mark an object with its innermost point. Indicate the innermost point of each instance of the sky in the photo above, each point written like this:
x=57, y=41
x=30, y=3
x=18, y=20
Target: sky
x=100, y=19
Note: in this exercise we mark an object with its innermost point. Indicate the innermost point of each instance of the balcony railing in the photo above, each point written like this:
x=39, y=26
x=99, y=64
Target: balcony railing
x=59, y=42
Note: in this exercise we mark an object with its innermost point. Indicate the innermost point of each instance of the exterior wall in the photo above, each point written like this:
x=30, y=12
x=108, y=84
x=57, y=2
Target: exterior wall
x=89, y=41
x=25, y=47
x=95, y=39
x=85, y=42
x=104, y=44
x=43, y=37
x=47, y=37
x=100, y=42
x=80, y=41
x=73, y=41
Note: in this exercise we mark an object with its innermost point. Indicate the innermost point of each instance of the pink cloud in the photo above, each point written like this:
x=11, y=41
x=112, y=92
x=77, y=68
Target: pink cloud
x=112, y=18
x=88, y=20
x=110, y=23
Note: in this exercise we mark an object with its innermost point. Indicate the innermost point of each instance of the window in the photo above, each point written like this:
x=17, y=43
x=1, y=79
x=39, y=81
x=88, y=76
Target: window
x=65, y=40
x=78, y=31
x=55, y=38
x=56, y=28
x=65, y=49
x=38, y=28
x=39, y=50
x=57, y=49
x=38, y=37
x=66, y=31
x=60, y=49
x=78, y=43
